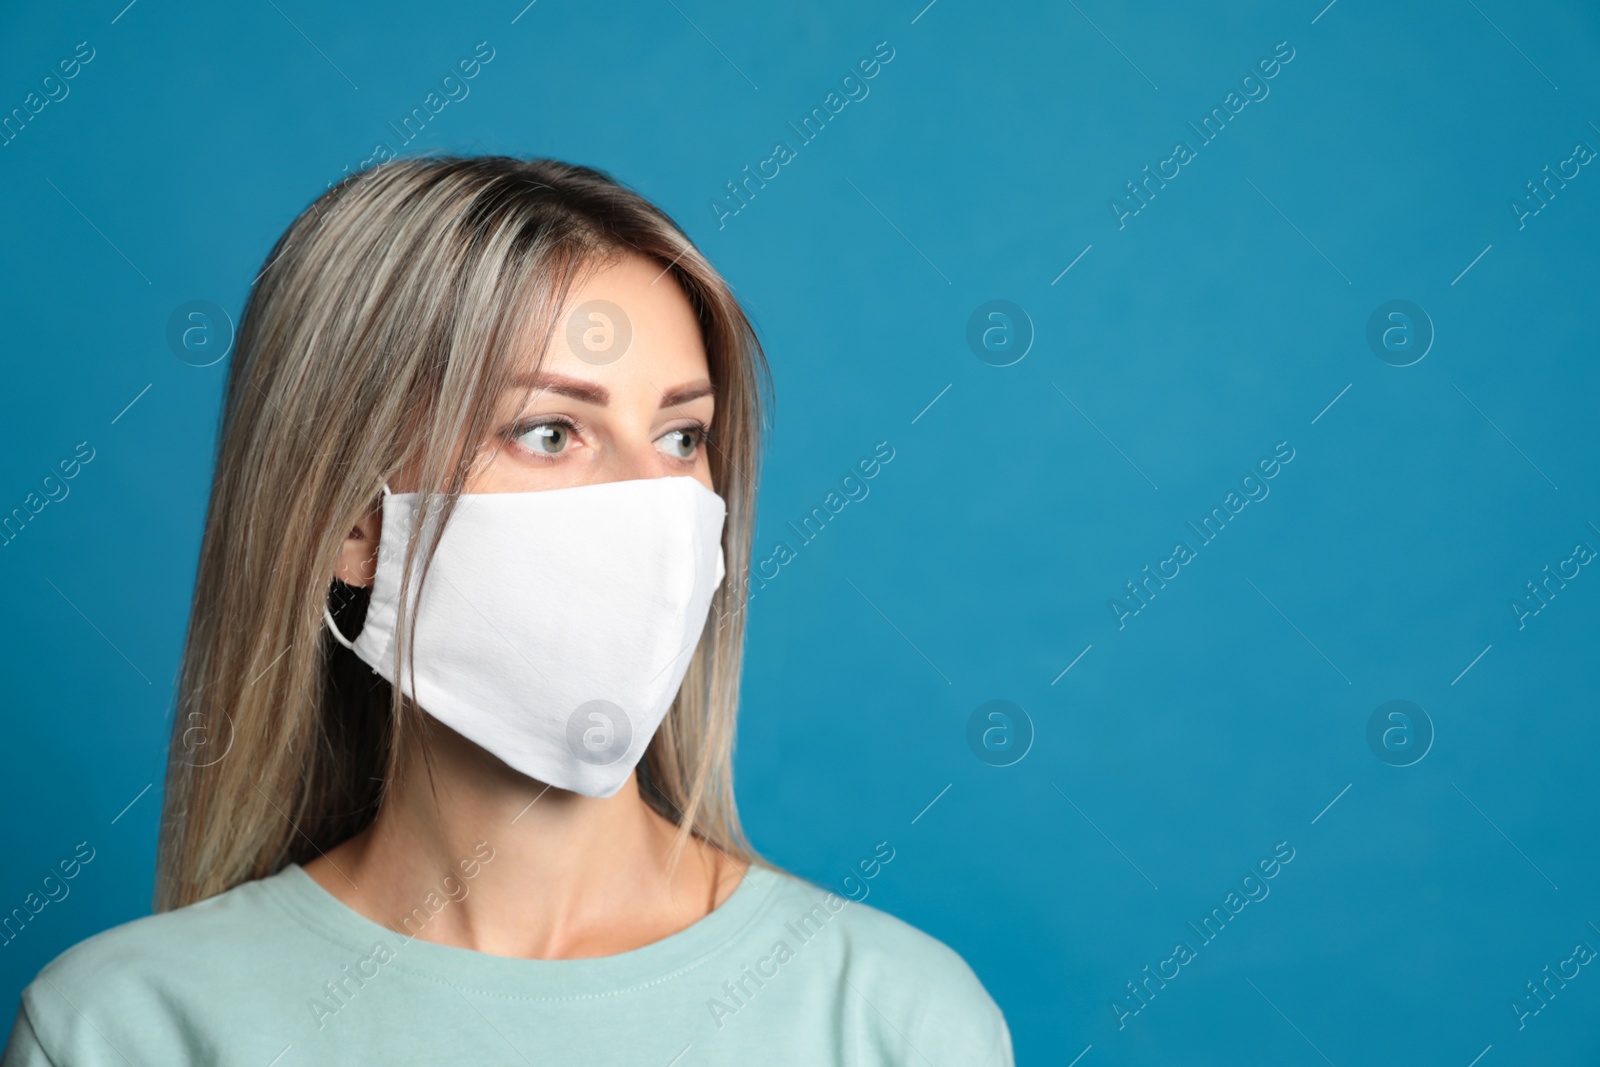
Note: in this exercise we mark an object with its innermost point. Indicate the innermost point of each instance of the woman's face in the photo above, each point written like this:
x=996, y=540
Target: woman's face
x=624, y=391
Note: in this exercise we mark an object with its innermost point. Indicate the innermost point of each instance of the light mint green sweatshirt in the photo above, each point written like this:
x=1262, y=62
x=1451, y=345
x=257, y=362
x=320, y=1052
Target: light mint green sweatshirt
x=279, y=972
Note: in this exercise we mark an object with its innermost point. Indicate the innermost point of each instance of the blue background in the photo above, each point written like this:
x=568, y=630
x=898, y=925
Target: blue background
x=1180, y=348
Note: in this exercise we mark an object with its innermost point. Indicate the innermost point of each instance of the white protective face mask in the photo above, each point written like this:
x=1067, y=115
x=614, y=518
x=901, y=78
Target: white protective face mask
x=555, y=626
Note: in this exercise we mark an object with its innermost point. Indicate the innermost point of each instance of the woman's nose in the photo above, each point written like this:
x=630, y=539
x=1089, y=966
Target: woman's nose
x=634, y=457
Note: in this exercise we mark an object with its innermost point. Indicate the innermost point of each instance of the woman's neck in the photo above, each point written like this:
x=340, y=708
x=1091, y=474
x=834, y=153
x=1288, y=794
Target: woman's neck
x=522, y=869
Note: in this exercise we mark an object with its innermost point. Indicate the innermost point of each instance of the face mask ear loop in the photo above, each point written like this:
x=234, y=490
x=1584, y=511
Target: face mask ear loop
x=327, y=616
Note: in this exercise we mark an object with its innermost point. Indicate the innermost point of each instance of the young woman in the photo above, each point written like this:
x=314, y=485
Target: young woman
x=450, y=776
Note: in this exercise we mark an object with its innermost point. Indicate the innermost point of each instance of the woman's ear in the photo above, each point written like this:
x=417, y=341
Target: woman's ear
x=357, y=561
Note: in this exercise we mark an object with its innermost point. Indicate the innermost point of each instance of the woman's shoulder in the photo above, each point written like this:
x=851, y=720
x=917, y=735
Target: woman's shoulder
x=171, y=937
x=130, y=971
x=924, y=989
x=876, y=938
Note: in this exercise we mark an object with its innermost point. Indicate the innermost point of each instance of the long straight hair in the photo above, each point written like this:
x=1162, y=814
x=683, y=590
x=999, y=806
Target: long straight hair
x=386, y=323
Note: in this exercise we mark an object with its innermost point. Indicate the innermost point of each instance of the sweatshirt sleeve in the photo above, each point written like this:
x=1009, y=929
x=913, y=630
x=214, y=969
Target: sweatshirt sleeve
x=23, y=1048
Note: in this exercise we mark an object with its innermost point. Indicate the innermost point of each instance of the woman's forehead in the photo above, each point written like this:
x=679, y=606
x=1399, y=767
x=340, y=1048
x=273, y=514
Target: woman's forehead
x=624, y=320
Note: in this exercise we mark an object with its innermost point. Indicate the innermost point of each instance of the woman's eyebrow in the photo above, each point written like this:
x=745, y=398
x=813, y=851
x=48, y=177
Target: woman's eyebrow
x=684, y=393
x=587, y=392
x=599, y=396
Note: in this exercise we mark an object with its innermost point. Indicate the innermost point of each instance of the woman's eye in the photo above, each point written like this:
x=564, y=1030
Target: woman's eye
x=682, y=443
x=547, y=438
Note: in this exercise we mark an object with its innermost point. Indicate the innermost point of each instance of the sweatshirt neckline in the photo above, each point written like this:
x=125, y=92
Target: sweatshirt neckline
x=515, y=977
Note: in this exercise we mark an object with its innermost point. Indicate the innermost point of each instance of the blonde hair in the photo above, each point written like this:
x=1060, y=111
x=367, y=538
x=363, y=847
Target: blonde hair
x=388, y=319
